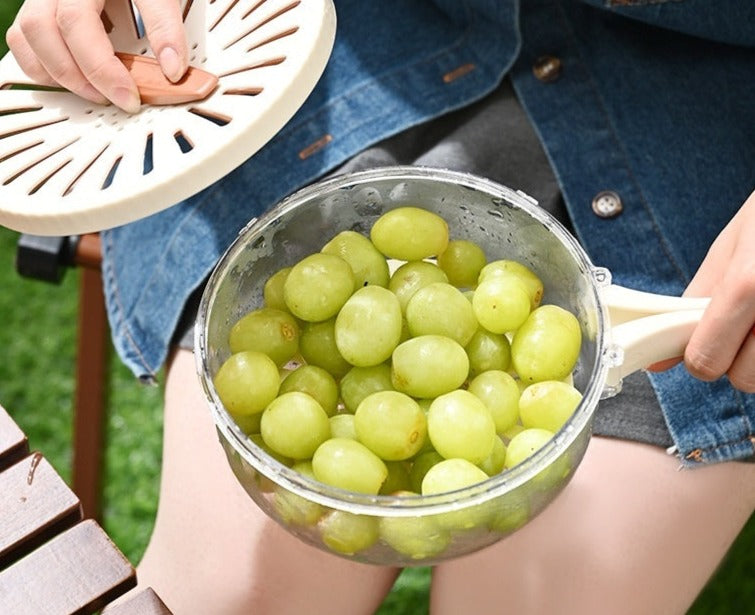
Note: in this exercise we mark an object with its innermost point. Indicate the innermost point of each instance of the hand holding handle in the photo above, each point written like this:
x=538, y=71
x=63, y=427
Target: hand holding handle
x=647, y=328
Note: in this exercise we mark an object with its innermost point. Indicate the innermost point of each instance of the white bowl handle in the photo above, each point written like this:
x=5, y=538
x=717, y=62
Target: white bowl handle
x=646, y=328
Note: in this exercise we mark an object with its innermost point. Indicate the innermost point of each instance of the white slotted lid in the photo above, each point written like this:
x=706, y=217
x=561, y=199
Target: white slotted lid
x=68, y=166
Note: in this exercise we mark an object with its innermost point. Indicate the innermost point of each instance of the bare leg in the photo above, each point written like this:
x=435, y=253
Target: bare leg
x=213, y=551
x=630, y=534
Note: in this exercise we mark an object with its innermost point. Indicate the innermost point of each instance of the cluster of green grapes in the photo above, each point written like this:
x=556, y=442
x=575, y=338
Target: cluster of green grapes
x=402, y=363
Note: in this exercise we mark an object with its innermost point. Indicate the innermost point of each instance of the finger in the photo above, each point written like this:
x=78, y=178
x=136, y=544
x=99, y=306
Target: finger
x=84, y=35
x=25, y=57
x=44, y=43
x=726, y=323
x=164, y=26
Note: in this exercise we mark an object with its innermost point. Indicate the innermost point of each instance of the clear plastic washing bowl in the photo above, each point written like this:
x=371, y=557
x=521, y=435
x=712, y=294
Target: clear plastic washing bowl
x=420, y=530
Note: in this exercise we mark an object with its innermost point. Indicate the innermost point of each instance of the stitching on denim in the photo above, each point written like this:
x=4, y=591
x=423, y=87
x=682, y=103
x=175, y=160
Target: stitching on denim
x=698, y=454
x=120, y=322
x=663, y=241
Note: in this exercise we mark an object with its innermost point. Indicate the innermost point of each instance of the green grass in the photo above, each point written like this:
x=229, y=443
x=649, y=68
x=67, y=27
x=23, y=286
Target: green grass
x=38, y=341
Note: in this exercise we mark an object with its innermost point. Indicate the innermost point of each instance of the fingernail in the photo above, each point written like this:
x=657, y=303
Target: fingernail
x=126, y=99
x=170, y=64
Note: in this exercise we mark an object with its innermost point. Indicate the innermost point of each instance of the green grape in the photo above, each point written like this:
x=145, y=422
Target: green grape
x=548, y=404
x=428, y=366
x=441, y=309
x=509, y=517
x=368, y=327
x=462, y=260
x=317, y=345
x=348, y=533
x=529, y=278
x=555, y=474
x=294, y=509
x=410, y=234
x=460, y=425
x=249, y=423
x=412, y=276
x=501, y=304
x=418, y=538
x=273, y=290
x=546, y=346
x=294, y=424
x=348, y=464
x=451, y=475
x=317, y=286
x=398, y=478
x=247, y=382
x=315, y=382
x=524, y=444
x=487, y=351
x=367, y=263
x=500, y=393
x=405, y=334
x=511, y=432
x=495, y=462
x=260, y=441
x=342, y=426
x=422, y=463
x=424, y=403
x=267, y=330
x=359, y=382
x=391, y=425
x=246, y=474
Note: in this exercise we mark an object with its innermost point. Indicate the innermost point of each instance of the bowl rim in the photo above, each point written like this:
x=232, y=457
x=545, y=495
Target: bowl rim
x=391, y=505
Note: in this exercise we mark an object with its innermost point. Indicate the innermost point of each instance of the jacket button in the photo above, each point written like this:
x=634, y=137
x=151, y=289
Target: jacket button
x=547, y=68
x=607, y=204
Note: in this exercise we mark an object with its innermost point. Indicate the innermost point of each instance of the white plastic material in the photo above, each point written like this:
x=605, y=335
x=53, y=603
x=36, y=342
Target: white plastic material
x=68, y=166
x=647, y=328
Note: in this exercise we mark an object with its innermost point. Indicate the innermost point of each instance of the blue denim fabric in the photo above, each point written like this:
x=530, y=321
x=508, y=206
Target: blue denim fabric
x=644, y=106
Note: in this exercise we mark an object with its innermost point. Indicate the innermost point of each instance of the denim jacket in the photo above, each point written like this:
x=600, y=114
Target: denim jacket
x=650, y=99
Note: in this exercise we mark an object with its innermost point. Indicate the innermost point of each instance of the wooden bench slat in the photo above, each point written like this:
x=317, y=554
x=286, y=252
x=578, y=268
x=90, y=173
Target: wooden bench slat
x=35, y=506
x=78, y=571
x=13, y=442
x=143, y=602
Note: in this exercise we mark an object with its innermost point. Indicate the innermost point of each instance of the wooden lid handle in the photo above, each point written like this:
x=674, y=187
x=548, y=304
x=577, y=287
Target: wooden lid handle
x=156, y=89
